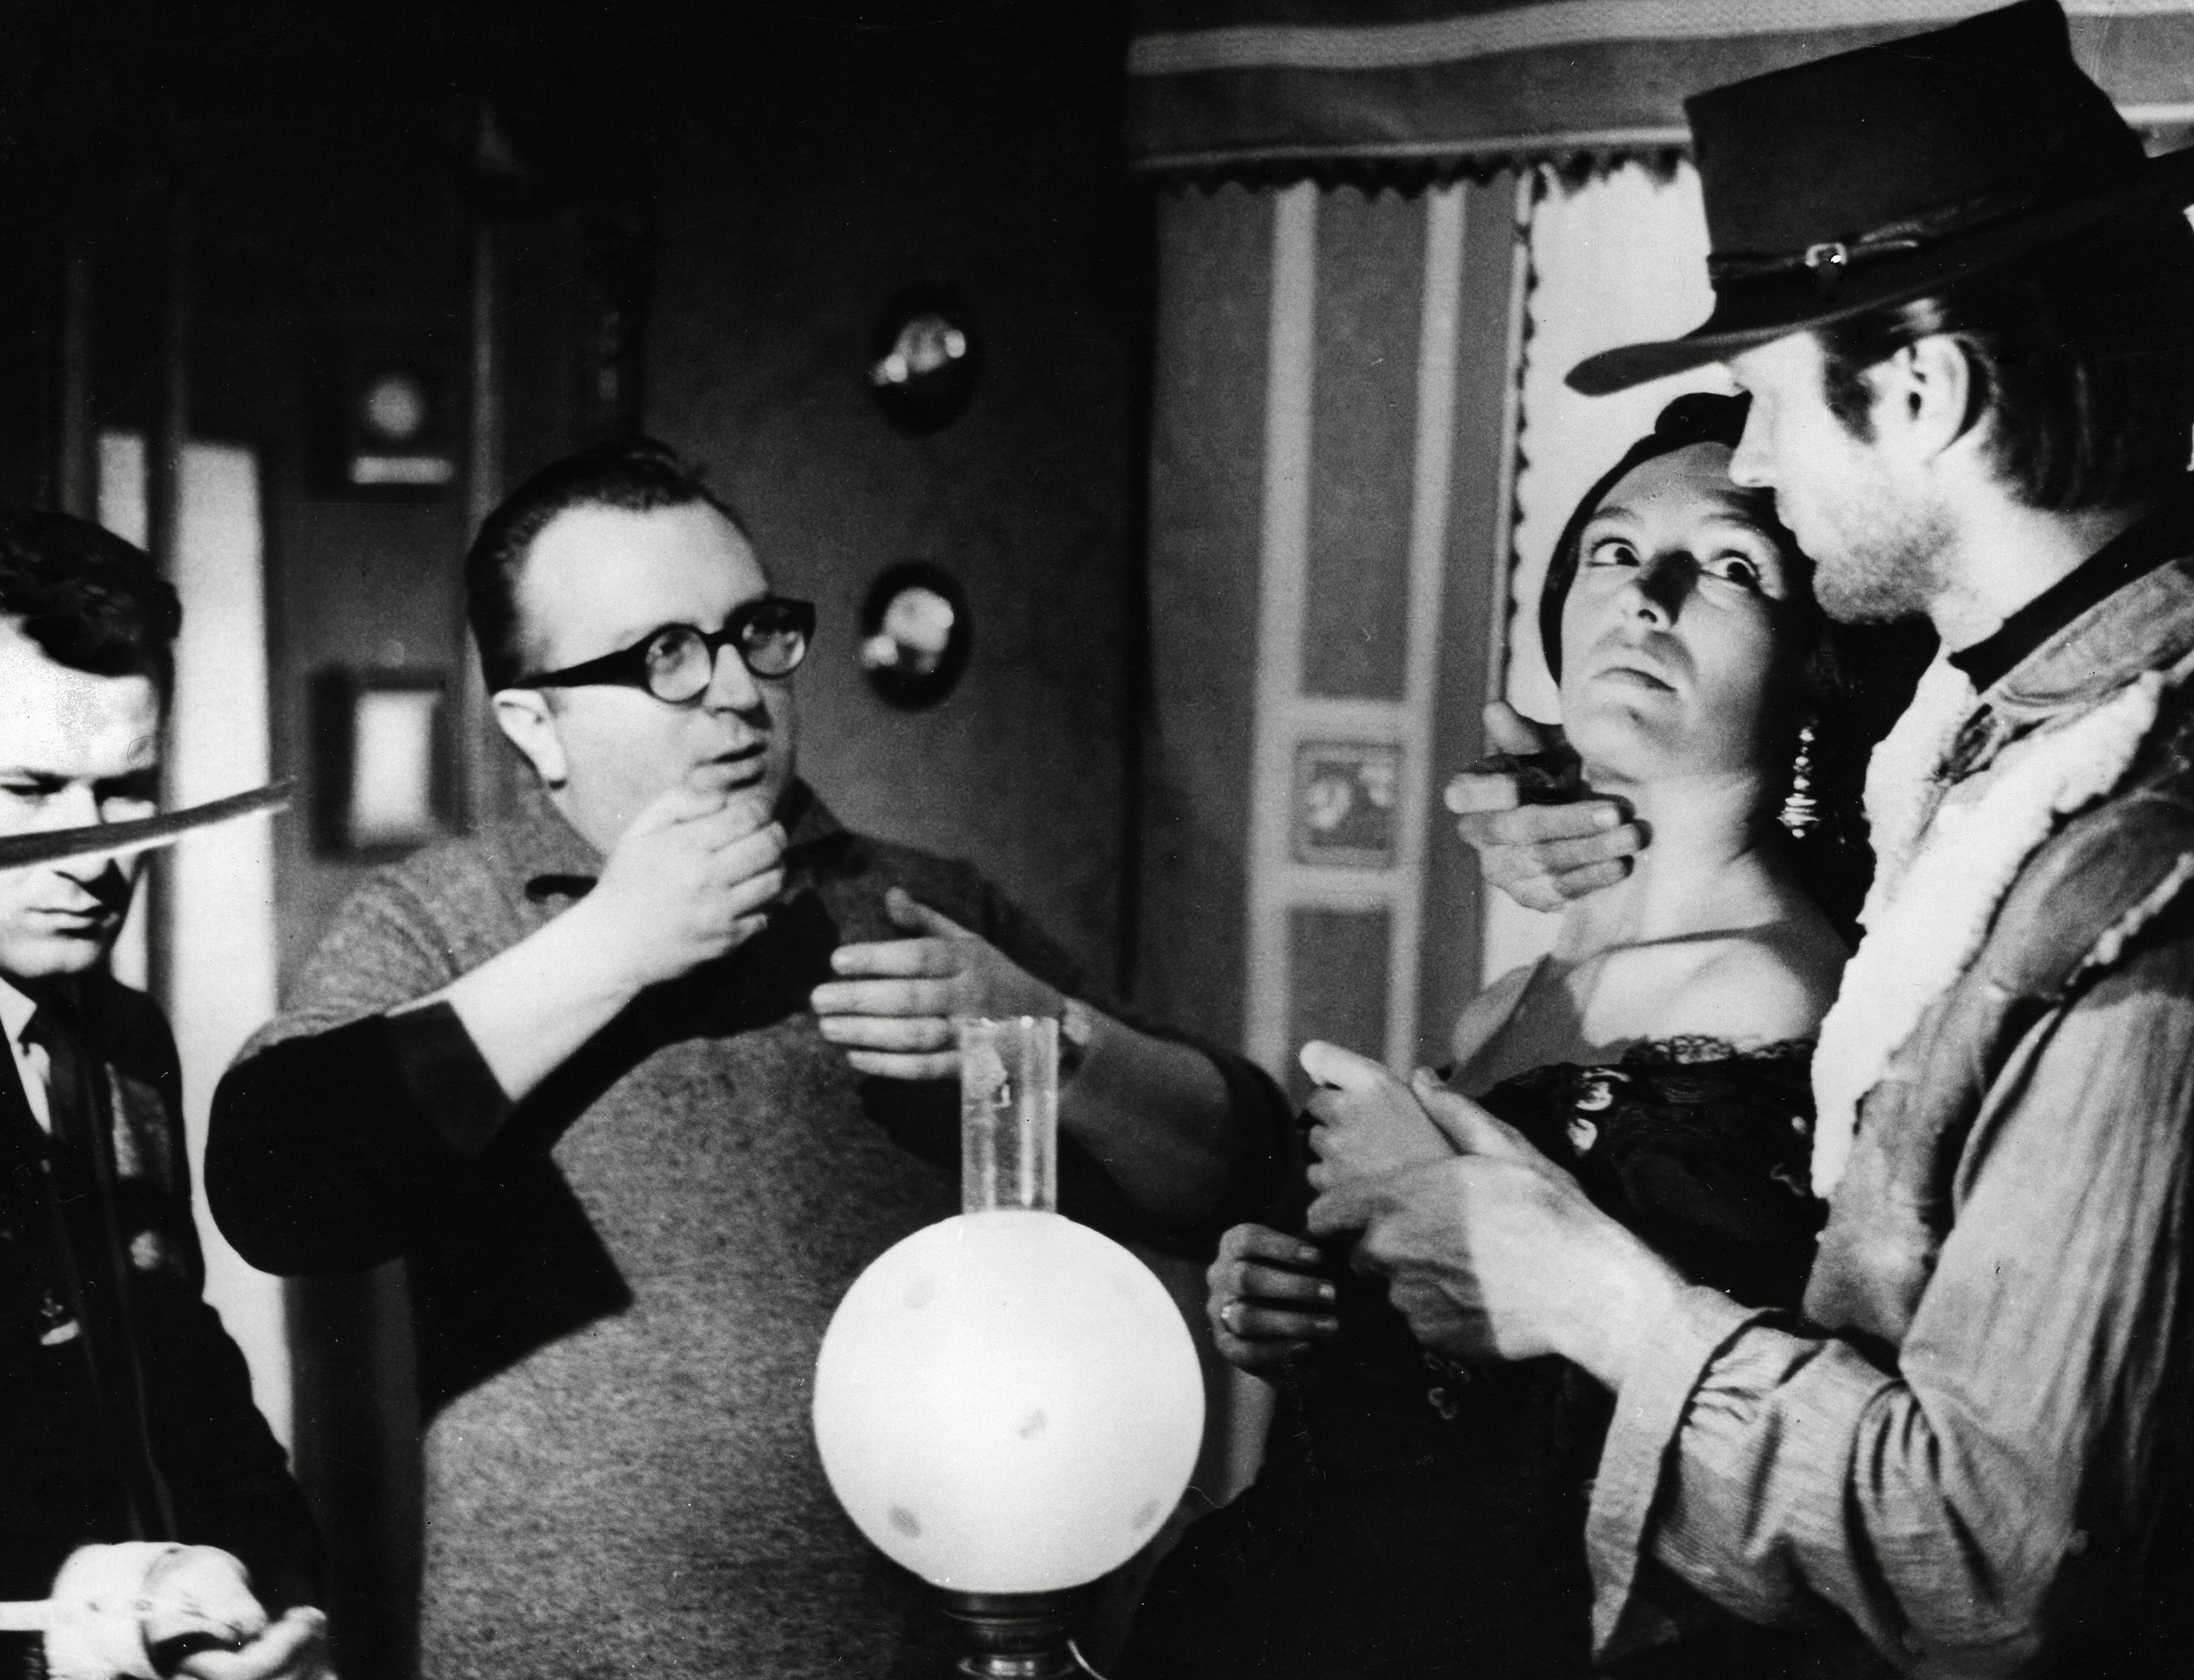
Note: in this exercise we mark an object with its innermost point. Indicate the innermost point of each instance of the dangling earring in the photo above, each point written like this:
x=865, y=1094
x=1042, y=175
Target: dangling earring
x=1800, y=813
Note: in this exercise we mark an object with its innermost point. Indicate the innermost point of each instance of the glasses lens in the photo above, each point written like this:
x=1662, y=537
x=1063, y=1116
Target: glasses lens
x=678, y=664
x=774, y=641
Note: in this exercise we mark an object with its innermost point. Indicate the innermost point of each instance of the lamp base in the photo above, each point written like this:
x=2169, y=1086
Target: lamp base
x=1013, y=1635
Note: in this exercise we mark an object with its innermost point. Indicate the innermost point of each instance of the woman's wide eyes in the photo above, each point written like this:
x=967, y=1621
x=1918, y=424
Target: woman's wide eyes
x=1730, y=566
x=1735, y=568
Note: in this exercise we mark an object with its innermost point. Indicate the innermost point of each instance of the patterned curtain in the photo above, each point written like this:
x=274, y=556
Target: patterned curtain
x=1399, y=92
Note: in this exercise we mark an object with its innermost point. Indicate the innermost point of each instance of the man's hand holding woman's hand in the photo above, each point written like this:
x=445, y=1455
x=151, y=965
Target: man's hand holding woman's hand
x=1366, y=1122
x=1497, y=1253
x=1523, y=807
x=1267, y=1306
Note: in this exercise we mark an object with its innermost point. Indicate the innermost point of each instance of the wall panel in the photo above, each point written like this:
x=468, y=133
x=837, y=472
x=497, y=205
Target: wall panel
x=1370, y=270
x=1337, y=368
x=1206, y=454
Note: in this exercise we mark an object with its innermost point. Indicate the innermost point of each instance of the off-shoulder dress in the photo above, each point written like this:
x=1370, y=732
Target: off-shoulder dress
x=1417, y=1518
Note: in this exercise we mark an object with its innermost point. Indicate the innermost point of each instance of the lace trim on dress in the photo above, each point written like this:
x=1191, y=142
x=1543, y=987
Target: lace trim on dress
x=1683, y=1049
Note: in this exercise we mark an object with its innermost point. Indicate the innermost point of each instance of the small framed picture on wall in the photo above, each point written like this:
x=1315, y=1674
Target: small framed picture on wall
x=384, y=777
x=390, y=421
x=1344, y=803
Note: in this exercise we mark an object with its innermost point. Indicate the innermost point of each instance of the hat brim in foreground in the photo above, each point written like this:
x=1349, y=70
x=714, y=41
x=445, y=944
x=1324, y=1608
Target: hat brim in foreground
x=1764, y=312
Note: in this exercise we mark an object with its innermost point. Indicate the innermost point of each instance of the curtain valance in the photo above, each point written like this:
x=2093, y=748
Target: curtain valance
x=1402, y=91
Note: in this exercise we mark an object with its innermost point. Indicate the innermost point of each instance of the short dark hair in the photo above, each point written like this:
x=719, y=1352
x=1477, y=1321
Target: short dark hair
x=91, y=600
x=2082, y=354
x=638, y=476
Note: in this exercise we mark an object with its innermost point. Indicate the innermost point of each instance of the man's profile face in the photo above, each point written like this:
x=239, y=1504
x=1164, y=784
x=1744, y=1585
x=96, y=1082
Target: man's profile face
x=1864, y=520
x=598, y=579
x=74, y=748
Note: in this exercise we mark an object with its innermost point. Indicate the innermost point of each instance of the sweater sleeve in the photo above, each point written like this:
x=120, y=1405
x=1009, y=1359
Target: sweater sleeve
x=340, y=1118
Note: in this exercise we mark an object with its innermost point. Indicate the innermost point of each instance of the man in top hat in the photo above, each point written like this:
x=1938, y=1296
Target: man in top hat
x=1962, y=301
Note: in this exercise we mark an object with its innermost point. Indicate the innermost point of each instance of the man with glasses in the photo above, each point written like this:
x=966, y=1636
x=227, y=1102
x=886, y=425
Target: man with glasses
x=638, y=1081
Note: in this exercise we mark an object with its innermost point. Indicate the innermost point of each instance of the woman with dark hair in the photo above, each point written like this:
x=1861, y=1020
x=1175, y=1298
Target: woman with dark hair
x=1415, y=1518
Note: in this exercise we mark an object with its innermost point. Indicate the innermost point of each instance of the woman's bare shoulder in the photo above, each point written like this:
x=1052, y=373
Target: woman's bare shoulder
x=1487, y=1013
x=1758, y=987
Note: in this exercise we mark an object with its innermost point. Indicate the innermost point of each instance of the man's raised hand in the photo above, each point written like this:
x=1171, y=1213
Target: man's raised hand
x=893, y=1005
x=688, y=881
x=1524, y=809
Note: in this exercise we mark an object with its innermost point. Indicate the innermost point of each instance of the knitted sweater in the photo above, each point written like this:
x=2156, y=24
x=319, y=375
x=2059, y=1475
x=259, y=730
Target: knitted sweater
x=619, y=1296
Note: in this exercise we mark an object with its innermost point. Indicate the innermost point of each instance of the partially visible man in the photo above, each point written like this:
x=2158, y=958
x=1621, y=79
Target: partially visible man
x=1960, y=297
x=125, y=1410
x=585, y=1071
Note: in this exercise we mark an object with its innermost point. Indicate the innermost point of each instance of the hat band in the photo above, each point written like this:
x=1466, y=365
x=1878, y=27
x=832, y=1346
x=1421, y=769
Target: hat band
x=1830, y=259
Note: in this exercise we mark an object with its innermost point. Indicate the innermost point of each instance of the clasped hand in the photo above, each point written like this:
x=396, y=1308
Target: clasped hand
x=1489, y=1250
x=893, y=1006
x=1267, y=1304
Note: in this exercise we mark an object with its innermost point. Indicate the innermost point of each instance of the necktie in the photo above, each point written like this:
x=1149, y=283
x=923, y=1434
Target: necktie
x=94, y=1259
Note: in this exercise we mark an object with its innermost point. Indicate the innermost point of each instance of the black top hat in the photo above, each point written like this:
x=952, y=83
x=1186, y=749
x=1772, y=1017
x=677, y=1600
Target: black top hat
x=1880, y=175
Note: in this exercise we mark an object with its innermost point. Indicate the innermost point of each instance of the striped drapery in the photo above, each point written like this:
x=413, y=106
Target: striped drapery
x=1361, y=452
x=1332, y=409
x=1404, y=91
x=1362, y=447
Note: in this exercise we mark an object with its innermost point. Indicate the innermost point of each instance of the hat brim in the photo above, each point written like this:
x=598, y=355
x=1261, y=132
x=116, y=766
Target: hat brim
x=1760, y=314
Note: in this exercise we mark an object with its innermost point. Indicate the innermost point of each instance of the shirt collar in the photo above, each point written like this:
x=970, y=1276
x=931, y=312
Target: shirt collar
x=2162, y=534
x=16, y=1011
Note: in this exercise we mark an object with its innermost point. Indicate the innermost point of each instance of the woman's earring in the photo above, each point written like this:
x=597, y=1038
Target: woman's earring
x=1800, y=813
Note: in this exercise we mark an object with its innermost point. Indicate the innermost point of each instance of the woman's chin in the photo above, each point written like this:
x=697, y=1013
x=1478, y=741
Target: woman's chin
x=1623, y=743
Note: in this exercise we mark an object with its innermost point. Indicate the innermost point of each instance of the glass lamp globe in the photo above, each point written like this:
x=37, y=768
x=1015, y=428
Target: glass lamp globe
x=1007, y=1403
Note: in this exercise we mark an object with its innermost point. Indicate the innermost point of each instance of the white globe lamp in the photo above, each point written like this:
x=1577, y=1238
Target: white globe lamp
x=1007, y=1403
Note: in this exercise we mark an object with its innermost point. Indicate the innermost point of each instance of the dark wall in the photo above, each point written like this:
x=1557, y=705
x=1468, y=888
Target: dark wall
x=828, y=173
x=321, y=228
x=709, y=210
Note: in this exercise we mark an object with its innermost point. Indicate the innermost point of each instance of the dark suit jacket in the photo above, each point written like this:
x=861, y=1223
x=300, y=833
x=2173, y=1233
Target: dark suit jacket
x=169, y=1404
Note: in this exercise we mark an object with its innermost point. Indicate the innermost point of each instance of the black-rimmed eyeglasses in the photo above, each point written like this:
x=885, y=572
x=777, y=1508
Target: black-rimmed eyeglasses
x=677, y=663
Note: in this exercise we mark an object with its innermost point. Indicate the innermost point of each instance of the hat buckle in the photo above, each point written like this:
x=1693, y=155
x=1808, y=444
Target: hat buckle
x=1879, y=174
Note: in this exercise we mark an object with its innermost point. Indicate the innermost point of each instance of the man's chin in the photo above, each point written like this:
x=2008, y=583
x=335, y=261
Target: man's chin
x=53, y=956
x=1867, y=599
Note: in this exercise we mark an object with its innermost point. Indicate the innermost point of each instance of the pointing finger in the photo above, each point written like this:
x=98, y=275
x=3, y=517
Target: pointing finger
x=1579, y=820
x=936, y=958
x=903, y=997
